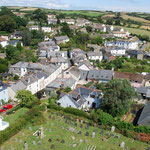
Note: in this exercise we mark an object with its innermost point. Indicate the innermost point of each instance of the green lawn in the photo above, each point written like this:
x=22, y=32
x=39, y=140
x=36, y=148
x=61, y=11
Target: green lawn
x=59, y=133
x=13, y=117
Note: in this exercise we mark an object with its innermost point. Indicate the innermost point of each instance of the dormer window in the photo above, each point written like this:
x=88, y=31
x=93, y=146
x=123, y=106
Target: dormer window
x=92, y=96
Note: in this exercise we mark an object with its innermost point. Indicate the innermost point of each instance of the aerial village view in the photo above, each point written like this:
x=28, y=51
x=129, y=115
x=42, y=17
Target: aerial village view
x=74, y=75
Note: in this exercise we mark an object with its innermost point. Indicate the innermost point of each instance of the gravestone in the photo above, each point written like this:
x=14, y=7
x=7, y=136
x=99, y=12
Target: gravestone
x=148, y=148
x=137, y=138
x=77, y=120
x=90, y=124
x=95, y=130
x=87, y=127
x=41, y=132
x=66, y=121
x=33, y=142
x=112, y=134
x=113, y=129
x=101, y=127
x=49, y=116
x=87, y=134
x=81, y=121
x=25, y=146
x=122, y=144
x=102, y=132
x=52, y=146
x=80, y=132
x=39, y=143
x=49, y=140
x=30, y=128
x=50, y=130
x=75, y=124
x=16, y=140
x=81, y=126
x=23, y=134
x=93, y=135
x=107, y=133
x=107, y=128
x=117, y=137
x=86, y=141
x=73, y=138
x=63, y=141
x=53, y=118
x=20, y=141
x=81, y=140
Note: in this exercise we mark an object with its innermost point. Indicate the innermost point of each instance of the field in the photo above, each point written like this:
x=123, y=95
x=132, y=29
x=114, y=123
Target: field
x=69, y=133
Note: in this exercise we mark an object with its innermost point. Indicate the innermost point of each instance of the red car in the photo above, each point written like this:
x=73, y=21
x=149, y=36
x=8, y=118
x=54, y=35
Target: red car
x=6, y=107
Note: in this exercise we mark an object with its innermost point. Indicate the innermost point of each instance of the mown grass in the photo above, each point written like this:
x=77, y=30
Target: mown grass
x=59, y=133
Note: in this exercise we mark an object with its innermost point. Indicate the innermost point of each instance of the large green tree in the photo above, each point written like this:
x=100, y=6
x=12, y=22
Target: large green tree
x=117, y=97
x=26, y=98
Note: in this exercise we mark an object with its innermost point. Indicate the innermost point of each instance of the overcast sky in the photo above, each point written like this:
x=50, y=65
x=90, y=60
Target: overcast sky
x=115, y=5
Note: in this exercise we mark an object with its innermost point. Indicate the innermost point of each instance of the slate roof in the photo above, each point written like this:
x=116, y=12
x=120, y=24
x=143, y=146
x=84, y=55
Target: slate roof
x=106, y=74
x=144, y=90
x=18, y=86
x=60, y=38
x=94, y=74
x=20, y=65
x=3, y=85
x=47, y=43
x=145, y=115
x=84, y=74
x=13, y=42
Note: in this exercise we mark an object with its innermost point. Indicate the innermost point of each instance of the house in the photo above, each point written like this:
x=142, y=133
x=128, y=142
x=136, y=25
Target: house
x=147, y=82
x=144, y=91
x=68, y=21
x=109, y=28
x=99, y=27
x=2, y=55
x=15, y=42
x=3, y=93
x=14, y=88
x=61, y=83
x=81, y=98
x=144, y=119
x=109, y=57
x=136, y=80
x=121, y=34
x=16, y=35
x=95, y=56
x=118, y=51
x=93, y=75
x=19, y=68
x=127, y=44
x=85, y=65
x=61, y=39
x=136, y=53
x=46, y=29
x=34, y=27
x=52, y=54
x=105, y=76
x=34, y=82
x=51, y=16
x=94, y=47
x=3, y=42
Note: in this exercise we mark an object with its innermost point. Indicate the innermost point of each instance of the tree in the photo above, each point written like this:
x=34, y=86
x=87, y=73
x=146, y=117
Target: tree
x=117, y=22
x=66, y=30
x=109, y=22
x=117, y=96
x=26, y=37
x=26, y=98
x=100, y=20
x=99, y=40
x=67, y=90
x=19, y=47
x=53, y=97
x=89, y=29
x=7, y=23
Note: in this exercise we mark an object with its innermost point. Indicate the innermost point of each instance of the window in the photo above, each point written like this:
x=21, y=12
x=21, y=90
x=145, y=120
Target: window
x=67, y=72
x=69, y=105
x=88, y=102
x=92, y=96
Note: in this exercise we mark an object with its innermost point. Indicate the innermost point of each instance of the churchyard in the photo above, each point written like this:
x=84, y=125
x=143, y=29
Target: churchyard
x=62, y=132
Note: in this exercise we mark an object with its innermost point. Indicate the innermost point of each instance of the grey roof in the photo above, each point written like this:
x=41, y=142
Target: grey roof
x=94, y=54
x=144, y=90
x=18, y=86
x=13, y=42
x=94, y=74
x=75, y=71
x=59, y=82
x=135, y=52
x=60, y=38
x=42, y=54
x=2, y=85
x=47, y=43
x=20, y=65
x=106, y=74
x=145, y=115
x=59, y=60
x=58, y=54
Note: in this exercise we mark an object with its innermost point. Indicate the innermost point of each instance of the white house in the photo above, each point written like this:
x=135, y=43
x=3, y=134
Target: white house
x=14, y=42
x=46, y=29
x=118, y=51
x=81, y=98
x=121, y=34
x=61, y=39
x=3, y=42
x=95, y=56
x=68, y=21
x=34, y=27
x=3, y=92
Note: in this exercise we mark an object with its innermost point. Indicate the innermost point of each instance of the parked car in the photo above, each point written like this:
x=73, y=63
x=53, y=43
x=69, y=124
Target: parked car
x=6, y=107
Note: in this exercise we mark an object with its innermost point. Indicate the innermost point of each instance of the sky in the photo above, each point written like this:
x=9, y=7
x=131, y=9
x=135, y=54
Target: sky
x=114, y=5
